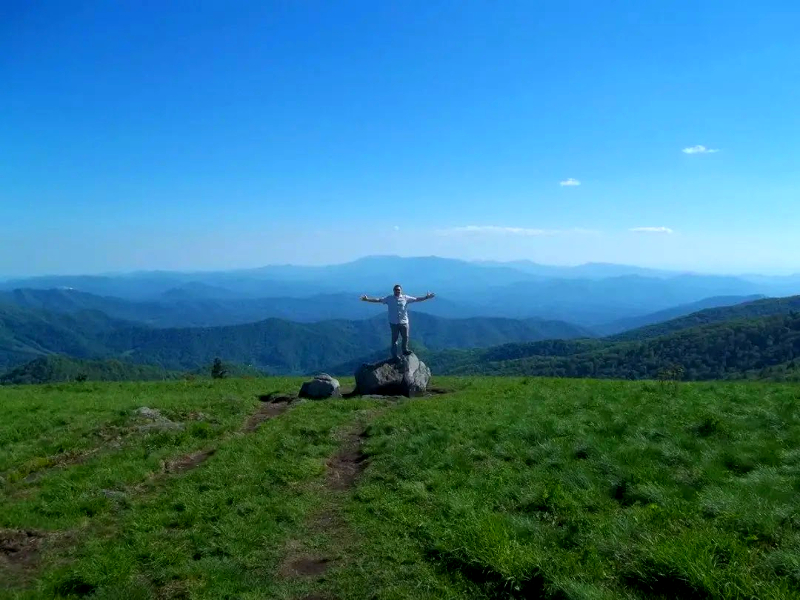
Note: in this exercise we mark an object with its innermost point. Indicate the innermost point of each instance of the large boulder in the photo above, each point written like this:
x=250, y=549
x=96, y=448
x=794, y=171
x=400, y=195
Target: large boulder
x=405, y=376
x=322, y=386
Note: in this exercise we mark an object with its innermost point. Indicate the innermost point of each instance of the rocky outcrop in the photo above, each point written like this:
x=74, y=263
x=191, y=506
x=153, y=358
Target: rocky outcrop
x=405, y=376
x=322, y=386
x=158, y=422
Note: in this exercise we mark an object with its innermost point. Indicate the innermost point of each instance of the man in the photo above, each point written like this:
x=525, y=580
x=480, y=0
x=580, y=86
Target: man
x=398, y=315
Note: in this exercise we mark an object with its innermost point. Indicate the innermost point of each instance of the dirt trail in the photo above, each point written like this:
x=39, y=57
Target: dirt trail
x=348, y=463
x=344, y=468
x=272, y=407
x=18, y=546
x=21, y=550
x=188, y=461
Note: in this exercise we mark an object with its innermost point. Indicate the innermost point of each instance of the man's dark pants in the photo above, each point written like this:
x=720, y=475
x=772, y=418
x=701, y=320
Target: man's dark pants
x=402, y=331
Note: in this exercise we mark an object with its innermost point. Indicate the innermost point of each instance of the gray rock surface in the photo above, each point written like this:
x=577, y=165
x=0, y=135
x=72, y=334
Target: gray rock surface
x=322, y=386
x=149, y=413
x=158, y=421
x=405, y=376
x=114, y=494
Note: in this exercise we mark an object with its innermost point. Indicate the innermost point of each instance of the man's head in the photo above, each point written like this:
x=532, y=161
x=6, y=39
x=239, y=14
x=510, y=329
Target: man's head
x=398, y=290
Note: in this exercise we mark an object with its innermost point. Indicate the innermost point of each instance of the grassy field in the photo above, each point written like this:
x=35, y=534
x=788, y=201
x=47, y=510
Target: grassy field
x=501, y=488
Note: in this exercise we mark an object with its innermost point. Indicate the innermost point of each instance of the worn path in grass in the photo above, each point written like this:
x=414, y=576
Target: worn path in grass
x=326, y=533
x=22, y=548
x=328, y=539
x=126, y=464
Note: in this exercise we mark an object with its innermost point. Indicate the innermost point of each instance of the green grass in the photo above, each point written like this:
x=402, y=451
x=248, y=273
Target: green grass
x=504, y=488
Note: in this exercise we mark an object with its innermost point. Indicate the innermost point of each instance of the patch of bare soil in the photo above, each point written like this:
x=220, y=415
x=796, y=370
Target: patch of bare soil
x=347, y=464
x=300, y=563
x=59, y=461
x=264, y=413
x=437, y=391
x=305, y=566
x=188, y=462
x=18, y=546
x=272, y=407
x=19, y=554
x=274, y=398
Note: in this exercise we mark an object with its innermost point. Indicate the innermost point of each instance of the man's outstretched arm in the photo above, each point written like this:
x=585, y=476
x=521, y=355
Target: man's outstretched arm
x=427, y=296
x=375, y=300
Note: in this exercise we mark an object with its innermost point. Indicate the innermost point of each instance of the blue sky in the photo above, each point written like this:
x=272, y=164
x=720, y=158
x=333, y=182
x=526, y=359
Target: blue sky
x=206, y=135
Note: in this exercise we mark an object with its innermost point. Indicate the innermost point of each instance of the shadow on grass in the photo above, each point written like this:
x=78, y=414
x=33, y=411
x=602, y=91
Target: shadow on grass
x=74, y=585
x=492, y=583
x=660, y=581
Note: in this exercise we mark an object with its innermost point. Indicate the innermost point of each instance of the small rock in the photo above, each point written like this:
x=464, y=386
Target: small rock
x=149, y=413
x=322, y=386
x=160, y=422
x=114, y=494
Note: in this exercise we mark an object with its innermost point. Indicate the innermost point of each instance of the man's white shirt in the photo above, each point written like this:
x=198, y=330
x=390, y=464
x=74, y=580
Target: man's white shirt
x=398, y=308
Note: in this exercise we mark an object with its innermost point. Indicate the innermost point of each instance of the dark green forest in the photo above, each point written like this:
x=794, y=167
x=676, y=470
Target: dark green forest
x=756, y=340
x=758, y=308
x=762, y=347
x=275, y=346
x=57, y=368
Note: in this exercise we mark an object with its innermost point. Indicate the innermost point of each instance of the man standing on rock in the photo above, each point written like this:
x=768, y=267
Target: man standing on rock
x=398, y=315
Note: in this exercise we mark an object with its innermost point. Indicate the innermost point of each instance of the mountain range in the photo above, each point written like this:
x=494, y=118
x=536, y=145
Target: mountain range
x=588, y=295
x=720, y=342
x=755, y=339
x=760, y=347
x=497, y=318
x=605, y=298
x=272, y=345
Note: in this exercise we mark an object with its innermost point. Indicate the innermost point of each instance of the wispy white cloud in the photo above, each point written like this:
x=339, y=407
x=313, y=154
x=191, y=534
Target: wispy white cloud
x=699, y=150
x=569, y=182
x=495, y=230
x=666, y=230
x=396, y=228
x=512, y=231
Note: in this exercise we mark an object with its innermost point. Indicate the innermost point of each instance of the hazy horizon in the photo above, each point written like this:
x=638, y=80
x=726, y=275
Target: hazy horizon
x=478, y=261
x=213, y=136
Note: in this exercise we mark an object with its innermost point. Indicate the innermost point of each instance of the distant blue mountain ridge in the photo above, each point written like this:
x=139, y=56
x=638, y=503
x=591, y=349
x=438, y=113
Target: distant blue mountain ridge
x=593, y=295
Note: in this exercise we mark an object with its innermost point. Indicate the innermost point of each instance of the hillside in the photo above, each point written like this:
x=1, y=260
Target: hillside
x=55, y=369
x=176, y=309
x=669, y=314
x=788, y=371
x=588, y=295
x=758, y=308
x=722, y=342
x=454, y=360
x=27, y=334
x=731, y=349
x=577, y=355
x=272, y=345
x=594, y=303
x=283, y=347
